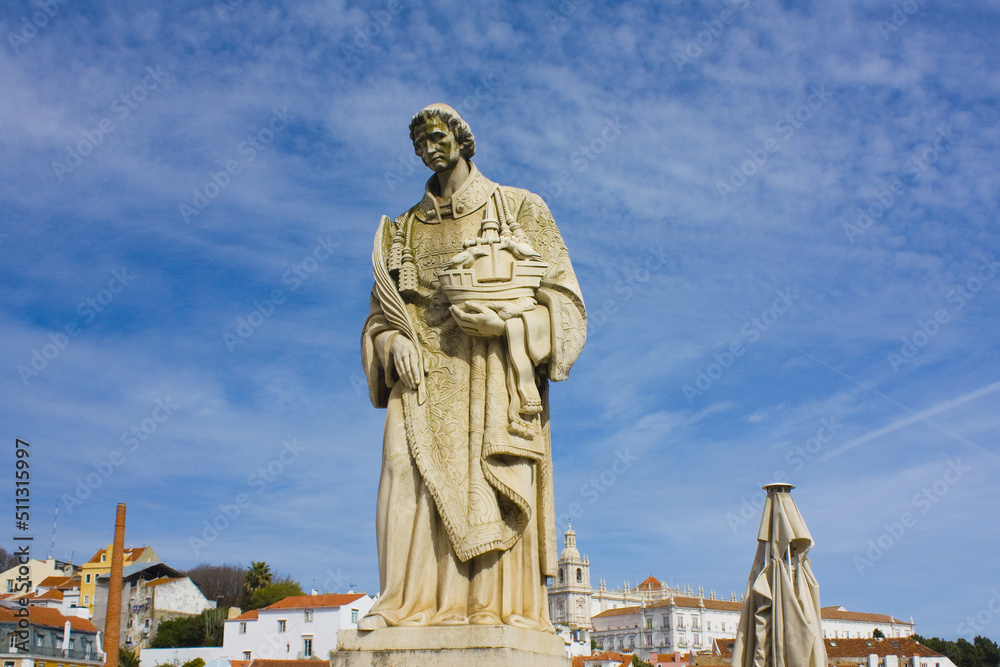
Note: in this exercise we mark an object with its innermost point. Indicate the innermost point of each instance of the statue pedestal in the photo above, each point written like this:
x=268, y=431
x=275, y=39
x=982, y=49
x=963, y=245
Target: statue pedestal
x=449, y=646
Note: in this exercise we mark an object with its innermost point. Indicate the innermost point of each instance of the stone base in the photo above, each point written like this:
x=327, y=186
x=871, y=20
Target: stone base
x=449, y=646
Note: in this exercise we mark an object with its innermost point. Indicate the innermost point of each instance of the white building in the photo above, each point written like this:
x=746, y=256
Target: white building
x=682, y=623
x=151, y=593
x=569, y=592
x=300, y=626
x=573, y=602
x=839, y=623
x=679, y=623
x=653, y=617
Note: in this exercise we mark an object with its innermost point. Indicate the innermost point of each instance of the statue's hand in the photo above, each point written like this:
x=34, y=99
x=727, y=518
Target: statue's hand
x=407, y=361
x=478, y=320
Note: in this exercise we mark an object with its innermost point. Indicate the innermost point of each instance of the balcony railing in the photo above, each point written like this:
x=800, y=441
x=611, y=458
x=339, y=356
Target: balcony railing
x=53, y=652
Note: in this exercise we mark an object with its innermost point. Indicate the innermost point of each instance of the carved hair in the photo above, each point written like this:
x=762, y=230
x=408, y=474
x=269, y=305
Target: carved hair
x=458, y=127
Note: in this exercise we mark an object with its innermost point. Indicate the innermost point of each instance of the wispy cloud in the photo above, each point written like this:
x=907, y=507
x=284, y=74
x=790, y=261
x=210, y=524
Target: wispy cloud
x=116, y=117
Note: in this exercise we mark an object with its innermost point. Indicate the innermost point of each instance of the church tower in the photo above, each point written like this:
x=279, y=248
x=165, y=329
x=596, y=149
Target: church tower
x=569, y=592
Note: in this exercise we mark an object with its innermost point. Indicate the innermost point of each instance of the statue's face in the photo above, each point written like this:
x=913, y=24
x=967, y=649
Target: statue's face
x=437, y=146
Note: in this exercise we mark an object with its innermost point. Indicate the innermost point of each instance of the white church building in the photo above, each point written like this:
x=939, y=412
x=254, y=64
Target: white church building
x=657, y=618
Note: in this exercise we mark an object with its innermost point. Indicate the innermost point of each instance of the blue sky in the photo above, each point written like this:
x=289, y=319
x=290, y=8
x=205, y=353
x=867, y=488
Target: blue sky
x=783, y=216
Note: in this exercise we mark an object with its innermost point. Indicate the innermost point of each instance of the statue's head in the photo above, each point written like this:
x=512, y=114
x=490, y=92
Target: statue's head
x=442, y=113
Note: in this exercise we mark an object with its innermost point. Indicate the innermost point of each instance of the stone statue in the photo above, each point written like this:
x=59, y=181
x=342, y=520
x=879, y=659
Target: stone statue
x=475, y=308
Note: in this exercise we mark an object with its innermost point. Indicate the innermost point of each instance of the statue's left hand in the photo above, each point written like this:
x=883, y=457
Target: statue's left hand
x=478, y=320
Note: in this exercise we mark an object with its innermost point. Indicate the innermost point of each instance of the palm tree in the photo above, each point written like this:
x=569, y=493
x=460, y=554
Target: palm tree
x=127, y=657
x=258, y=575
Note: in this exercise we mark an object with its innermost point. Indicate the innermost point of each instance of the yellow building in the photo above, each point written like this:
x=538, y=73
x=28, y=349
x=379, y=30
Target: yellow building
x=38, y=571
x=101, y=564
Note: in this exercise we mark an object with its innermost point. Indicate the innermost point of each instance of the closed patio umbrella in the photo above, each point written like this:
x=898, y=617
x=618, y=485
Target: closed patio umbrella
x=780, y=623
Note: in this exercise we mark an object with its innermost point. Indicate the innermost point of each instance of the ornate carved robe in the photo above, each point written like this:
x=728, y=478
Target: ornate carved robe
x=465, y=520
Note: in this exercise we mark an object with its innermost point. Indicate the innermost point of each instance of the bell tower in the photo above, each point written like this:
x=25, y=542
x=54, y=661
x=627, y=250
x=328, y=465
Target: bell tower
x=569, y=592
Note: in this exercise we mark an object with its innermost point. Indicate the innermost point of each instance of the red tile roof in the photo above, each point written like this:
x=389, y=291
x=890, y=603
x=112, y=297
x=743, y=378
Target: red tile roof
x=313, y=601
x=31, y=597
x=901, y=646
x=258, y=662
x=625, y=659
x=49, y=618
x=841, y=614
x=621, y=611
x=838, y=649
x=245, y=616
x=60, y=582
x=650, y=583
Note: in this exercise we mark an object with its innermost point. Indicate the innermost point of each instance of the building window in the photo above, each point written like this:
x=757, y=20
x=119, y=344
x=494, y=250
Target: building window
x=104, y=557
x=281, y=625
x=695, y=622
x=87, y=579
x=86, y=599
x=246, y=655
x=8, y=663
x=680, y=621
x=307, y=647
x=243, y=629
x=309, y=615
x=579, y=576
x=354, y=616
x=697, y=640
x=562, y=578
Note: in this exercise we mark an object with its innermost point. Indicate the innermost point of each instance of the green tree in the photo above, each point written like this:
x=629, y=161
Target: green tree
x=205, y=629
x=7, y=560
x=127, y=657
x=258, y=575
x=213, y=625
x=178, y=633
x=878, y=634
x=197, y=662
x=981, y=653
x=271, y=593
x=639, y=662
x=989, y=651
